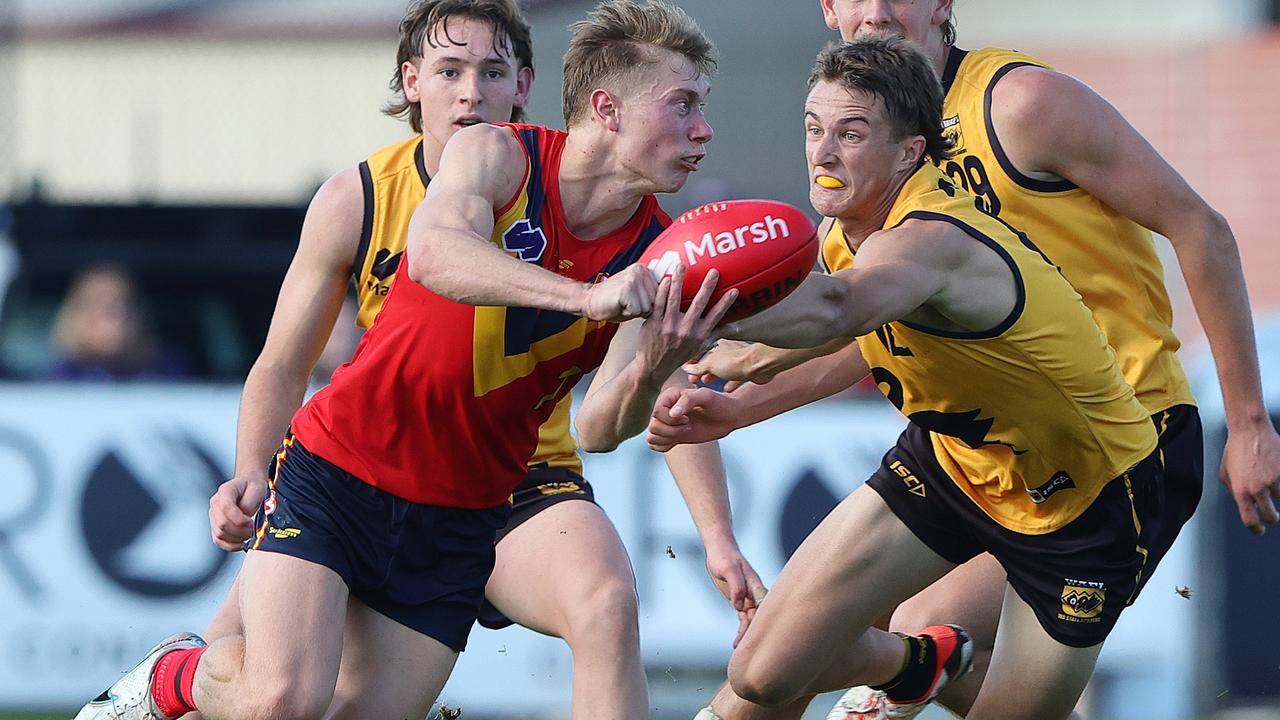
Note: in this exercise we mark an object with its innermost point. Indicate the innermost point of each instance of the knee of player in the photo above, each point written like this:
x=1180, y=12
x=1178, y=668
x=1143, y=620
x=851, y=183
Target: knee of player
x=919, y=613
x=753, y=682
x=288, y=701
x=608, y=614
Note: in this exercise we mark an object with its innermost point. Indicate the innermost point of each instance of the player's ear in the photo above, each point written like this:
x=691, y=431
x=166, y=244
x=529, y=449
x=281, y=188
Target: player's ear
x=524, y=85
x=912, y=150
x=941, y=13
x=604, y=106
x=829, y=13
x=409, y=80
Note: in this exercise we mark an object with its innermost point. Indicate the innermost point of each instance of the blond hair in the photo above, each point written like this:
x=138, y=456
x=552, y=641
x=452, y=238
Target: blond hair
x=620, y=36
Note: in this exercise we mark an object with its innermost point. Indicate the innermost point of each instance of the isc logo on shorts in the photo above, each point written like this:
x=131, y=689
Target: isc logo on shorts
x=915, y=485
x=1082, y=601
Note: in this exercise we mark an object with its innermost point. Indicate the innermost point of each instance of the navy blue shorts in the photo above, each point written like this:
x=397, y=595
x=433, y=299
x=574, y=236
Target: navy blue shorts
x=540, y=489
x=423, y=566
x=1079, y=577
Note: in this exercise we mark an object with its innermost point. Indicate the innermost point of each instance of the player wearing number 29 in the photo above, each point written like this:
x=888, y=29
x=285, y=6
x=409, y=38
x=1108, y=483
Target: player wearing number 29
x=1025, y=441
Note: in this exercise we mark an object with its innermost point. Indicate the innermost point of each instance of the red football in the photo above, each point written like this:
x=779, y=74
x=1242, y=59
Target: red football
x=762, y=247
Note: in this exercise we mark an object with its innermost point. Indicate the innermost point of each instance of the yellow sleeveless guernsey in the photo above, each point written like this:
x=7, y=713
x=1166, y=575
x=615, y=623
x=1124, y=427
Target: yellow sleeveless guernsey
x=1110, y=259
x=1031, y=418
x=394, y=181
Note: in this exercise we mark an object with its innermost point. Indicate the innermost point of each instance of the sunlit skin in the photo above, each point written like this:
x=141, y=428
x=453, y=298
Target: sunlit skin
x=916, y=20
x=465, y=76
x=855, y=165
x=663, y=111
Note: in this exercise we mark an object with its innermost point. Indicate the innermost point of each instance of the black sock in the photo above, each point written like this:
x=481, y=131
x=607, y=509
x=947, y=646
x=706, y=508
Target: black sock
x=916, y=677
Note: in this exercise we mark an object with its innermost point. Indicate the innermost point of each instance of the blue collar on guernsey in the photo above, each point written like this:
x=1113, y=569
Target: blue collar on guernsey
x=955, y=56
x=422, y=165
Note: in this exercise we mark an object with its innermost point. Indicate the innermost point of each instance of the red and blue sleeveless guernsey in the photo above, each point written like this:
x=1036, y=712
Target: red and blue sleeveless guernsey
x=442, y=401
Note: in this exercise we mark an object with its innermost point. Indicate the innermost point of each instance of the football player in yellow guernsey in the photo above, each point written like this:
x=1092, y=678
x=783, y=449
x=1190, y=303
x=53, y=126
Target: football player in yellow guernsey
x=1051, y=157
x=1024, y=441
x=561, y=568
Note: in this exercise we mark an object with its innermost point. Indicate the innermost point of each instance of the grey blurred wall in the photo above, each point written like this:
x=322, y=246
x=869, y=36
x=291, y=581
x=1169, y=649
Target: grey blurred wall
x=263, y=112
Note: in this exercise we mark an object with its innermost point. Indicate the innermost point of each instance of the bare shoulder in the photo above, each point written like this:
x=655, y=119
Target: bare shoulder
x=1028, y=96
x=483, y=158
x=335, y=217
x=485, y=143
x=342, y=192
x=919, y=241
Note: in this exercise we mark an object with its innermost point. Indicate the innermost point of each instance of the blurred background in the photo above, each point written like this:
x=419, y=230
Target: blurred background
x=156, y=158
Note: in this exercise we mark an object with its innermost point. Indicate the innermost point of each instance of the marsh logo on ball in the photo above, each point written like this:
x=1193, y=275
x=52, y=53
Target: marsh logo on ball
x=665, y=265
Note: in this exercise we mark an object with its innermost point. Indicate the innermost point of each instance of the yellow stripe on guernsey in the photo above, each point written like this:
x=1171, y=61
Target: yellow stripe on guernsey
x=1030, y=419
x=495, y=364
x=1110, y=259
x=395, y=181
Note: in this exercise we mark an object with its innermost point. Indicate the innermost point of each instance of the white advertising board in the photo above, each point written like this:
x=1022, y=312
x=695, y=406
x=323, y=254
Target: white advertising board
x=104, y=546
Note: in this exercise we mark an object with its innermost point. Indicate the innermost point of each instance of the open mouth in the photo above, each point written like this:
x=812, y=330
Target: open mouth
x=690, y=162
x=468, y=121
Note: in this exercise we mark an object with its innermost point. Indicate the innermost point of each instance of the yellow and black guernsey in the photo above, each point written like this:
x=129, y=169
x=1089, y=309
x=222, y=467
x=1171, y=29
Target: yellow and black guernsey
x=1110, y=259
x=395, y=181
x=1030, y=418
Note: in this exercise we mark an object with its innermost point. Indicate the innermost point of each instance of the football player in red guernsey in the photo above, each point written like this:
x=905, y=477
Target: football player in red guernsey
x=397, y=475
x=560, y=566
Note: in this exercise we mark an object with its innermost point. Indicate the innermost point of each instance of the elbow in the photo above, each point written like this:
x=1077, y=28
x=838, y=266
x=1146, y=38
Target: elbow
x=593, y=439
x=836, y=309
x=1216, y=226
x=596, y=442
x=420, y=265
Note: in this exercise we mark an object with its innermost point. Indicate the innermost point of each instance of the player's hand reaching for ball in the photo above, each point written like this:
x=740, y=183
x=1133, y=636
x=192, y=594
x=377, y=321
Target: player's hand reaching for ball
x=734, y=361
x=692, y=415
x=231, y=510
x=629, y=294
x=670, y=336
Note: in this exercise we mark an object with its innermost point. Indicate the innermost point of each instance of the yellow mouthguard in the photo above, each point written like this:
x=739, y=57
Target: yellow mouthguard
x=829, y=182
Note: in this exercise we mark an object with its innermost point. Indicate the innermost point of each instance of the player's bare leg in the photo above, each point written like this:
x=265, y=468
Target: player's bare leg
x=969, y=596
x=225, y=623
x=388, y=670
x=726, y=705
x=564, y=572
x=286, y=664
x=815, y=632
x=1046, y=676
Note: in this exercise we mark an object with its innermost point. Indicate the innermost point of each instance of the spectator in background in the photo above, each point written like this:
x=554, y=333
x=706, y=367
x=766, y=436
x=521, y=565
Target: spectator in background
x=102, y=333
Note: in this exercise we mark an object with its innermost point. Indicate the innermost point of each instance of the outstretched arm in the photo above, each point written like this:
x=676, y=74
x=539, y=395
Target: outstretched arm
x=1050, y=122
x=481, y=169
x=699, y=473
x=644, y=357
x=699, y=415
x=310, y=298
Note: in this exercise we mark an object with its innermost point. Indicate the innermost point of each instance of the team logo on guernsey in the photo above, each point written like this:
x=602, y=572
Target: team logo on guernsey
x=1082, y=601
x=1059, y=481
x=951, y=131
x=527, y=242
